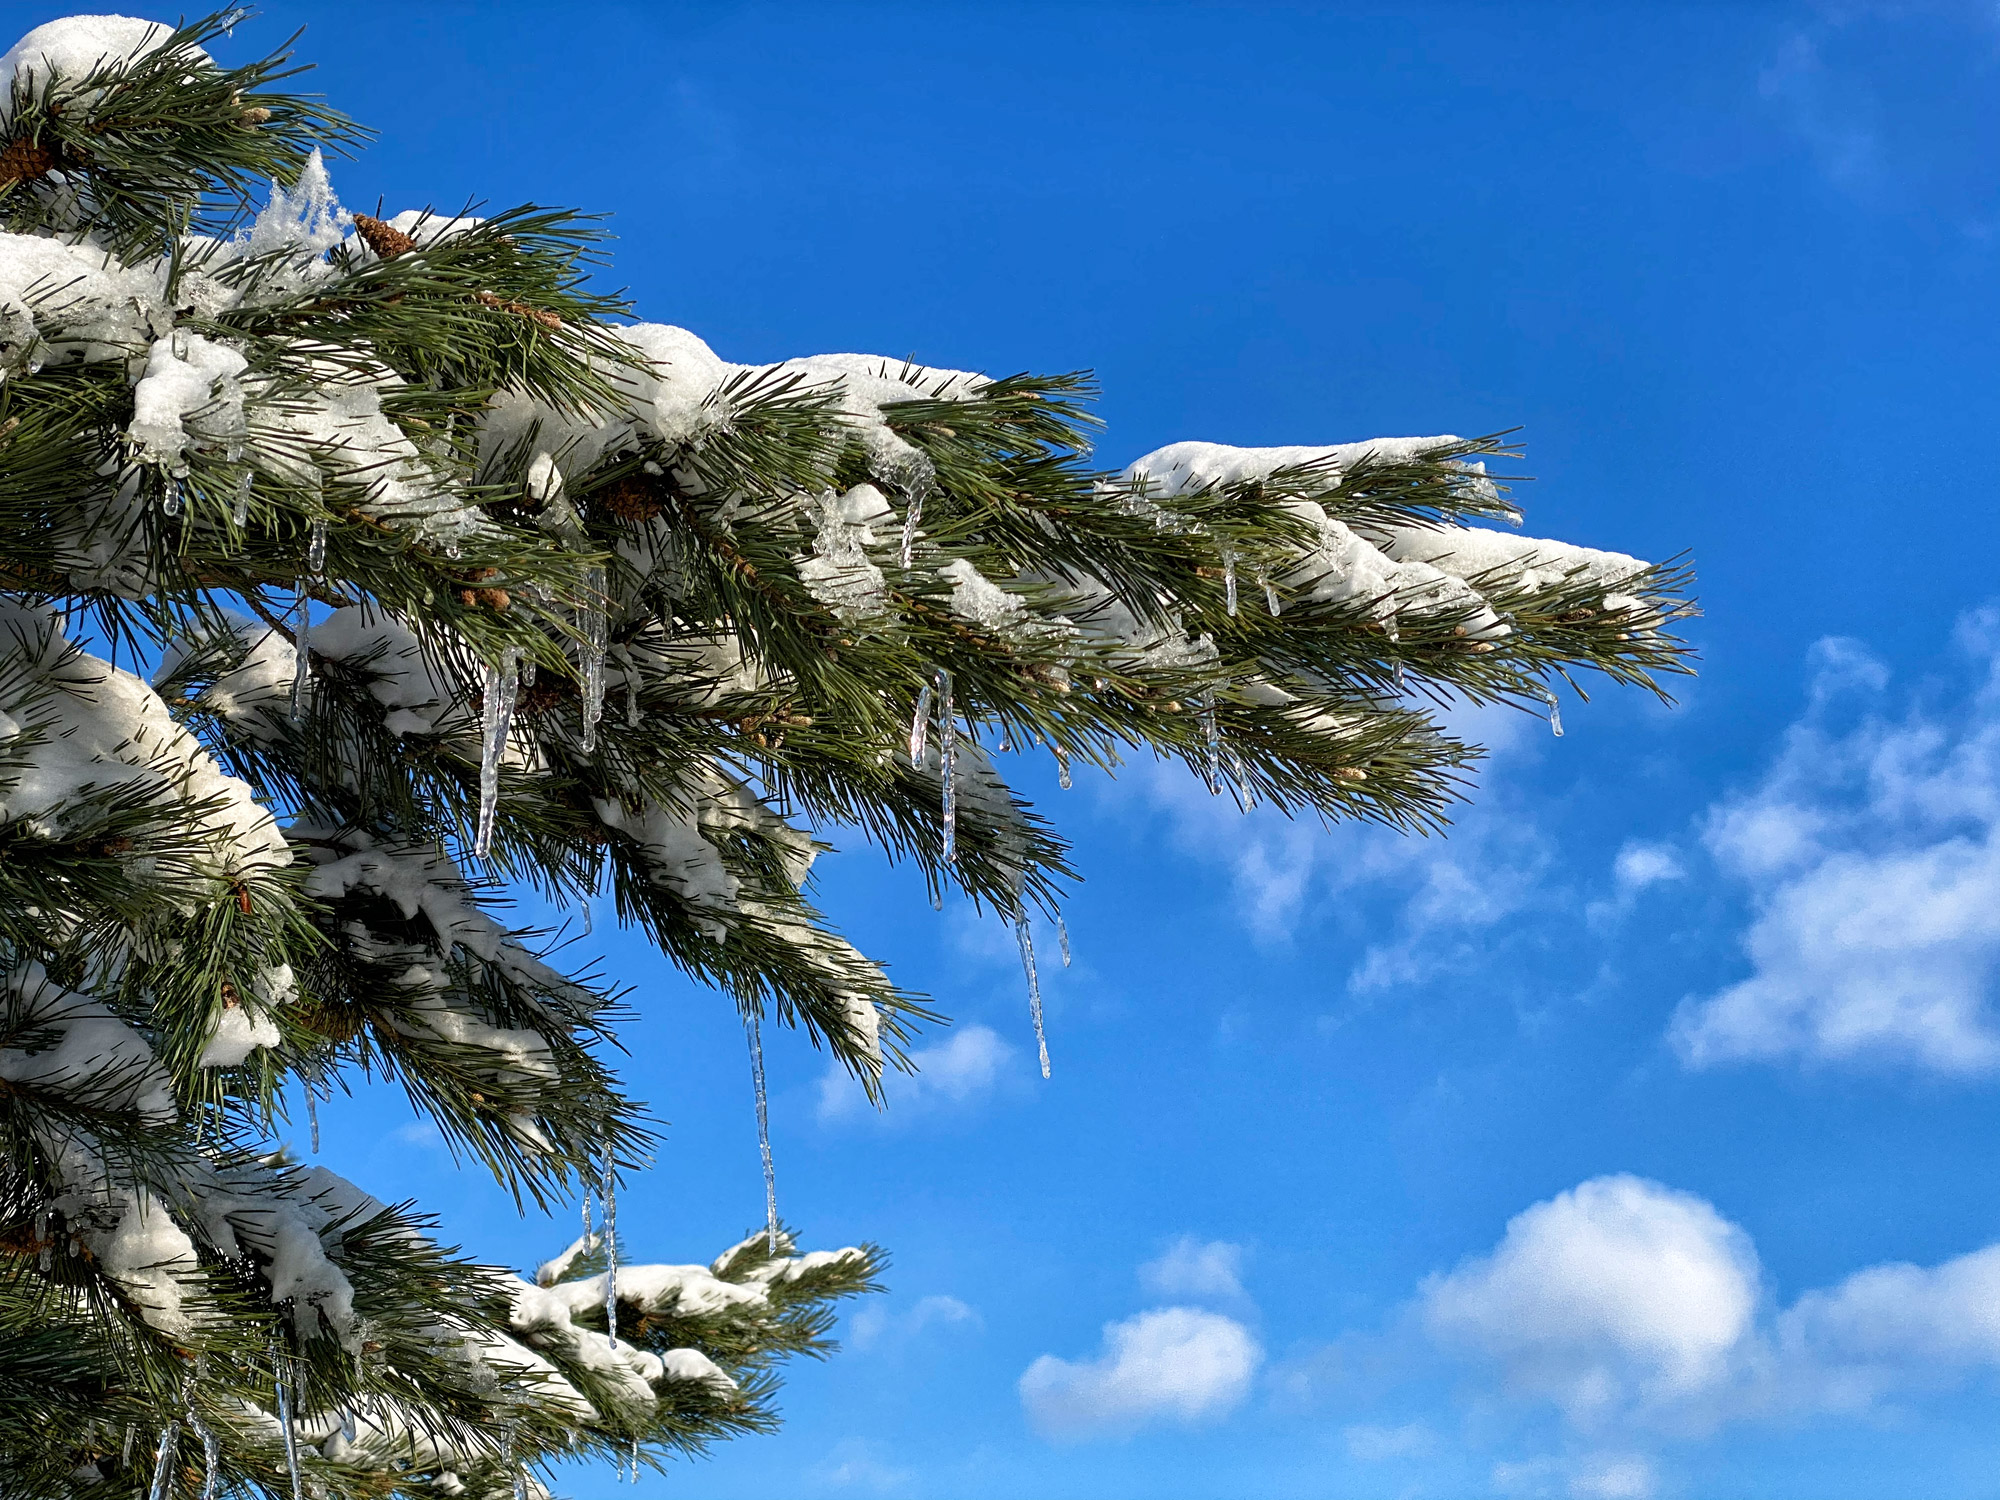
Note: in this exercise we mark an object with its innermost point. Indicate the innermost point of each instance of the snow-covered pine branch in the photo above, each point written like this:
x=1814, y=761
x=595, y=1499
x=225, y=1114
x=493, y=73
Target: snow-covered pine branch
x=451, y=576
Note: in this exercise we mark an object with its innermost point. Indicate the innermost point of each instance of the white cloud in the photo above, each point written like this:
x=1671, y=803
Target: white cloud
x=1640, y=865
x=857, y=1464
x=1872, y=855
x=1194, y=1268
x=1172, y=1364
x=1596, y=1477
x=961, y=1070
x=875, y=1324
x=1615, y=1295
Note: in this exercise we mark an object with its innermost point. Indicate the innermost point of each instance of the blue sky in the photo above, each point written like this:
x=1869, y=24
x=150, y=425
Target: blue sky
x=1633, y=1141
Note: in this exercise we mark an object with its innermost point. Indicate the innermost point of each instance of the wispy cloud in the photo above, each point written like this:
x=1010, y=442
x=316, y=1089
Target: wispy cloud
x=876, y=1326
x=962, y=1070
x=1831, y=115
x=1871, y=852
x=857, y=1465
x=1210, y=1269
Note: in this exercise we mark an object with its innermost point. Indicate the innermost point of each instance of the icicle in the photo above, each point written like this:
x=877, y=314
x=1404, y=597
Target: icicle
x=920, y=726
x=125, y=1458
x=1555, y=711
x=285, y=1416
x=1027, y=941
x=1211, y=732
x=1006, y=743
x=755, y=1028
x=596, y=633
x=316, y=547
x=501, y=684
x=608, y=1190
x=586, y=1212
x=631, y=696
x=1271, y=598
x=635, y=1460
x=528, y=672
x=312, y=1115
x=1229, y=579
x=170, y=496
x=163, y=1460
x=1062, y=767
x=1062, y=938
x=302, y=654
x=240, y=515
x=948, y=764
x=912, y=518
x=211, y=1456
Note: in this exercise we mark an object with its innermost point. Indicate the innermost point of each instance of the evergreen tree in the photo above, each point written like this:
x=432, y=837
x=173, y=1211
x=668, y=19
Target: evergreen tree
x=449, y=577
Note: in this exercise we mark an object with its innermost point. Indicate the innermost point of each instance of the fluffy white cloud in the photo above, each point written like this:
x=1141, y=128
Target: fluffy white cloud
x=1620, y=1293
x=963, y=1068
x=1194, y=1268
x=1172, y=1364
x=1872, y=854
x=1640, y=865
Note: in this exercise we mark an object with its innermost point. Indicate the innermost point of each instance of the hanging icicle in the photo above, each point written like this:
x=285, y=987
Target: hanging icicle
x=1211, y=733
x=913, y=517
x=302, y=653
x=1027, y=941
x=1555, y=711
x=240, y=513
x=316, y=547
x=163, y=1460
x=920, y=726
x=948, y=764
x=211, y=1456
x=1062, y=768
x=170, y=495
x=635, y=1460
x=282, y=1377
x=1229, y=580
x=596, y=635
x=312, y=1114
x=586, y=1214
x=1062, y=938
x=754, y=1025
x=1271, y=598
x=502, y=683
x=608, y=1191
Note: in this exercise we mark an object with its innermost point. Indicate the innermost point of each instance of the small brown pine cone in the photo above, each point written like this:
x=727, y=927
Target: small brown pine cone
x=24, y=161
x=385, y=240
x=497, y=600
x=629, y=498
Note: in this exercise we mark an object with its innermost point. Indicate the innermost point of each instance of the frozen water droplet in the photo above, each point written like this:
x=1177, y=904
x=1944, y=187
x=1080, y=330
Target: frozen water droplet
x=1271, y=599
x=163, y=1460
x=937, y=898
x=302, y=654
x=1229, y=580
x=1006, y=744
x=920, y=726
x=1062, y=938
x=754, y=1025
x=1027, y=941
x=608, y=1190
x=948, y=764
x=316, y=547
x=501, y=684
x=452, y=550
x=1555, y=711
x=240, y=514
x=170, y=496
x=1062, y=768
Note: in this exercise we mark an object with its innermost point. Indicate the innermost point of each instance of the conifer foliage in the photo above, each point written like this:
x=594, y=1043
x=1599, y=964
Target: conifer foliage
x=444, y=575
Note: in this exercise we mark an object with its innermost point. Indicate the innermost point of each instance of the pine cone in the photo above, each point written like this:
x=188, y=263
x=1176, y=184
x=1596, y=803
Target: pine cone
x=628, y=498
x=25, y=160
x=385, y=240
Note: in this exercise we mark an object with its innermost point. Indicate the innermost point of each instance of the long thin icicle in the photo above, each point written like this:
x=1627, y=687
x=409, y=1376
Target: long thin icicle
x=1211, y=733
x=1271, y=598
x=316, y=547
x=211, y=1456
x=1027, y=941
x=596, y=636
x=502, y=683
x=913, y=518
x=240, y=513
x=920, y=726
x=163, y=1460
x=1062, y=768
x=302, y=650
x=312, y=1114
x=1062, y=938
x=283, y=1378
x=948, y=764
x=608, y=1190
x=754, y=1026
x=1229, y=578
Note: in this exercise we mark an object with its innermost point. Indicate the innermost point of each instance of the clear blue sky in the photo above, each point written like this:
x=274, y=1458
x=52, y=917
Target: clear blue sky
x=1636, y=1140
